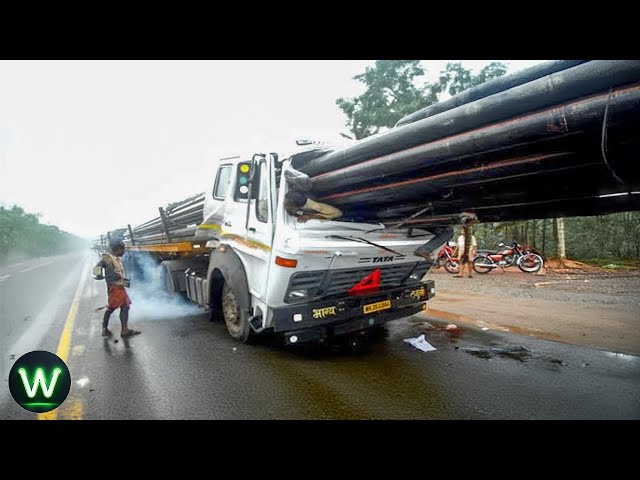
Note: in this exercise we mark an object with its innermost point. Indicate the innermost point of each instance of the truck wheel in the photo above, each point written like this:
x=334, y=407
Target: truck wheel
x=236, y=320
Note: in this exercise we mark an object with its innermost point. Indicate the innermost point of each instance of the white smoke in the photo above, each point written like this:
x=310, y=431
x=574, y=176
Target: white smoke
x=150, y=299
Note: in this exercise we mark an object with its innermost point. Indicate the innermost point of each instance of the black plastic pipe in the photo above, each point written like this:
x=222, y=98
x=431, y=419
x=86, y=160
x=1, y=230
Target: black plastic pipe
x=582, y=80
x=490, y=88
x=525, y=133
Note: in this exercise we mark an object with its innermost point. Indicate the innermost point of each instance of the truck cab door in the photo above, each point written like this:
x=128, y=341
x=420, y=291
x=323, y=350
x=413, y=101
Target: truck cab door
x=259, y=225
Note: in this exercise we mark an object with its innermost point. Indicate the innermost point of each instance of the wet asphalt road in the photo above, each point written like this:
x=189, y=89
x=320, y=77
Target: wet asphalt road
x=185, y=367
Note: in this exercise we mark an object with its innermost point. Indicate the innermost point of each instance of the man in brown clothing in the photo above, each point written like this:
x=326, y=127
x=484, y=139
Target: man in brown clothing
x=467, y=249
x=116, y=288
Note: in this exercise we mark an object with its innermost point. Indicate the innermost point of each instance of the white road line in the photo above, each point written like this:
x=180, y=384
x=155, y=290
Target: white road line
x=34, y=267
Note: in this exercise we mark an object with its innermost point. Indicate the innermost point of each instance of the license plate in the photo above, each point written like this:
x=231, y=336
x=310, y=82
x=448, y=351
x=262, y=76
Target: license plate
x=374, y=307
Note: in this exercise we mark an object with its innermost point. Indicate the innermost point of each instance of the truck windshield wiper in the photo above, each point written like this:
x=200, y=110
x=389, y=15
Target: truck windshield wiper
x=362, y=240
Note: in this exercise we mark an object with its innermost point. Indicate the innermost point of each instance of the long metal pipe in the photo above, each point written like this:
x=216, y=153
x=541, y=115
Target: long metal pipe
x=576, y=82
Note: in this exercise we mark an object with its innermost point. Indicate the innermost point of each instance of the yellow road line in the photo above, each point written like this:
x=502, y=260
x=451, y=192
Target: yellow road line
x=65, y=340
x=73, y=411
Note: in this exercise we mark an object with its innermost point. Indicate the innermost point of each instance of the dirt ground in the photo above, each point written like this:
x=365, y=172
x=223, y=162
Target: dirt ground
x=582, y=306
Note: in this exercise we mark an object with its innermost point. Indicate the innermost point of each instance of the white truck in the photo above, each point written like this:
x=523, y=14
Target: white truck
x=258, y=269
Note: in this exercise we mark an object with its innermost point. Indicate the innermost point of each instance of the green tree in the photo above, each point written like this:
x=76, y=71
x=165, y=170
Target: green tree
x=393, y=90
x=455, y=78
x=391, y=93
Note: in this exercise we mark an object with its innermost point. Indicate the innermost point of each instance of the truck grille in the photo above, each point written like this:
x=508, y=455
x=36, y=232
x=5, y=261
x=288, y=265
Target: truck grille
x=340, y=281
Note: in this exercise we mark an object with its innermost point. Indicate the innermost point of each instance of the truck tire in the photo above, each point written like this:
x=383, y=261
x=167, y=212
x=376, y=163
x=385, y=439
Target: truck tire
x=235, y=318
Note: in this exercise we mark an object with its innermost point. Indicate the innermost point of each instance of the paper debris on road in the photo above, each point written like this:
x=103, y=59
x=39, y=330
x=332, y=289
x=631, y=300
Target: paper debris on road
x=420, y=343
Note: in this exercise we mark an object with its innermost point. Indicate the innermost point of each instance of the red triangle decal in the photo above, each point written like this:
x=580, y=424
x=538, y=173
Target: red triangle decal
x=368, y=283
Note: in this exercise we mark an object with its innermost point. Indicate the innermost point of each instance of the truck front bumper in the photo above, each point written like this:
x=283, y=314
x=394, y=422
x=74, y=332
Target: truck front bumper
x=317, y=320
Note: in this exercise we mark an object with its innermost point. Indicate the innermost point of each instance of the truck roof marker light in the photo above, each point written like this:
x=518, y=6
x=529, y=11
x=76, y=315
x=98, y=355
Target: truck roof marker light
x=368, y=283
x=285, y=262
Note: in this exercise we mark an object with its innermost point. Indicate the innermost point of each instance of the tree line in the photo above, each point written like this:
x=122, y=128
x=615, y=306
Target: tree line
x=394, y=89
x=22, y=236
x=613, y=236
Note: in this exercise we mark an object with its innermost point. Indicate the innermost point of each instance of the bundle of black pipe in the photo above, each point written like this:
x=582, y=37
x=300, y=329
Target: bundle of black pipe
x=586, y=146
x=511, y=200
x=585, y=179
x=551, y=208
x=570, y=124
x=527, y=178
x=579, y=81
x=491, y=87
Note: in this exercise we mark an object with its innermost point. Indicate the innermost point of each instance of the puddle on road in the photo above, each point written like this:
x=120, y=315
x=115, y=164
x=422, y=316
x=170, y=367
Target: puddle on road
x=623, y=356
x=515, y=352
x=456, y=318
x=478, y=352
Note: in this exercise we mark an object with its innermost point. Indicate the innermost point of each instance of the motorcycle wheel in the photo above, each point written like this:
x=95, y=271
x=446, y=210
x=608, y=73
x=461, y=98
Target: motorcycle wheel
x=479, y=262
x=530, y=263
x=451, y=267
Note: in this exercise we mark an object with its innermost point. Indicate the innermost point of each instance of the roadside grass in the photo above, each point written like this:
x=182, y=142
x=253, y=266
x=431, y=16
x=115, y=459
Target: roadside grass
x=614, y=263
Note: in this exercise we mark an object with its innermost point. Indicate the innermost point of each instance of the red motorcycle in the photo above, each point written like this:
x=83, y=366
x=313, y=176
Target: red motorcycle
x=524, y=257
x=445, y=258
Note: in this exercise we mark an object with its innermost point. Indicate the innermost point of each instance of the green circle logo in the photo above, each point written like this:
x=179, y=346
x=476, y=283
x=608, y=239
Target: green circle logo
x=39, y=381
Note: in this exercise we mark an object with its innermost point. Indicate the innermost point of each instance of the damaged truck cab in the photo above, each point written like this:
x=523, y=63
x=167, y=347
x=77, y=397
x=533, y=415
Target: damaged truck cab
x=238, y=253
x=263, y=270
